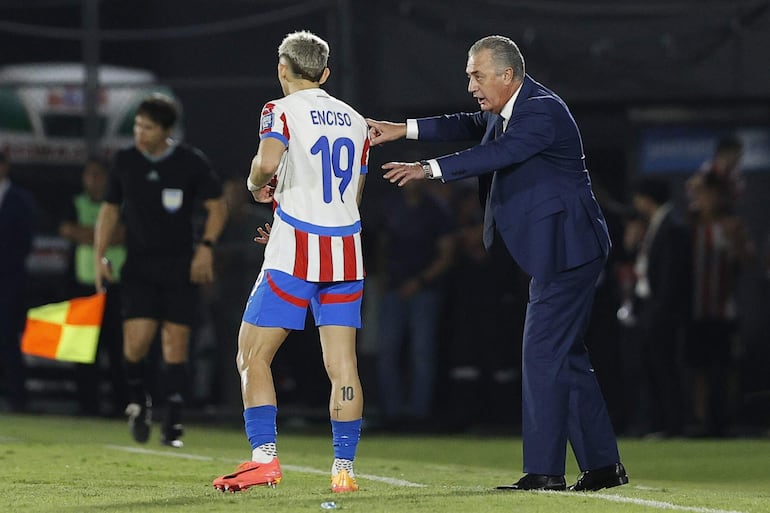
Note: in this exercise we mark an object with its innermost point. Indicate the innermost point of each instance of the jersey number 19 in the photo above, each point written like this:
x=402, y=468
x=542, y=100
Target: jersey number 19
x=335, y=160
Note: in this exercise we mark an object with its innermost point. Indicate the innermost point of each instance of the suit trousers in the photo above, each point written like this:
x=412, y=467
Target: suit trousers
x=561, y=398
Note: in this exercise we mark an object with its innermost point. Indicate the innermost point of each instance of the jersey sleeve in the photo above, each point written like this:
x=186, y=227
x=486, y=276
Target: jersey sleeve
x=273, y=123
x=365, y=156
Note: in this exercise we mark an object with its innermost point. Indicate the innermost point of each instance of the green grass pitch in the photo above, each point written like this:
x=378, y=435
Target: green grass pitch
x=74, y=465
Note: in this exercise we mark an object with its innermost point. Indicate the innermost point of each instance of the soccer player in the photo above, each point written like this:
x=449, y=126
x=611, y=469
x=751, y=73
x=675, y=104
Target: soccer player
x=154, y=186
x=311, y=160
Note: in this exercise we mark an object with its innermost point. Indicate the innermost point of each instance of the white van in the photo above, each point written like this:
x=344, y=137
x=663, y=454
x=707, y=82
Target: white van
x=42, y=110
x=42, y=131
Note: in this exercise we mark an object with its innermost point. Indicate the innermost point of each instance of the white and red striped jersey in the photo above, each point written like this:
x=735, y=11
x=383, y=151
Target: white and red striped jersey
x=714, y=273
x=316, y=232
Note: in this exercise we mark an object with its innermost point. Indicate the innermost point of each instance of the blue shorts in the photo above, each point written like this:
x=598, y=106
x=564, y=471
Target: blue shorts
x=280, y=300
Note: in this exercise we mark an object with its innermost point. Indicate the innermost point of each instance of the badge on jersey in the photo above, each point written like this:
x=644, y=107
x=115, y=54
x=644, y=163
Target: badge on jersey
x=172, y=199
x=266, y=123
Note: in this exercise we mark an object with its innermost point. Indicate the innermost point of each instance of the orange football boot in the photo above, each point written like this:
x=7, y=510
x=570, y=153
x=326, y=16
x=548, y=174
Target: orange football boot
x=343, y=482
x=248, y=474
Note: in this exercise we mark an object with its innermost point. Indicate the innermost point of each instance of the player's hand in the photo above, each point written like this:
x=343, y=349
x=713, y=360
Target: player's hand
x=385, y=131
x=402, y=172
x=265, y=193
x=202, y=265
x=264, y=234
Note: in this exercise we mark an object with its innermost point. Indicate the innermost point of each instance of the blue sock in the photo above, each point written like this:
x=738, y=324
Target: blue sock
x=260, y=424
x=345, y=437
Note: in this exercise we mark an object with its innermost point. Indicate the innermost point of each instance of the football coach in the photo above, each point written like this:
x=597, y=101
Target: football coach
x=537, y=200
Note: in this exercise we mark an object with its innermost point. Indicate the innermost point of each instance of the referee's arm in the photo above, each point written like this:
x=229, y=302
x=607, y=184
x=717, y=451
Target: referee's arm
x=202, y=265
x=215, y=219
x=106, y=221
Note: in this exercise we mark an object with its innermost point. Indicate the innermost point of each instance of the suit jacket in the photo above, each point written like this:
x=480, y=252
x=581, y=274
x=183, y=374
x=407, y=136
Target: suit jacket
x=541, y=196
x=16, y=226
x=669, y=274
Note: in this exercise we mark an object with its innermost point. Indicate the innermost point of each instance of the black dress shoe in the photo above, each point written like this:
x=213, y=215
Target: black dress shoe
x=537, y=482
x=605, y=477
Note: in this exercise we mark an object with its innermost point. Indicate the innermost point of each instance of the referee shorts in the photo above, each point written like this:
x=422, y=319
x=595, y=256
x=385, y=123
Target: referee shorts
x=159, y=289
x=280, y=300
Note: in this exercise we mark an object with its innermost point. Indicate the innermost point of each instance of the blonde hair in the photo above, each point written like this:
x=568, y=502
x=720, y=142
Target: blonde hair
x=305, y=53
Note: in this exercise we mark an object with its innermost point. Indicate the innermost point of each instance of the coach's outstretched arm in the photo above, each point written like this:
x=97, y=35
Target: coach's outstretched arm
x=396, y=172
x=385, y=131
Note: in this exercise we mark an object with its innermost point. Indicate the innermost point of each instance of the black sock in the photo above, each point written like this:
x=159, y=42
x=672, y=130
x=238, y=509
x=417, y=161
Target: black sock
x=176, y=384
x=135, y=381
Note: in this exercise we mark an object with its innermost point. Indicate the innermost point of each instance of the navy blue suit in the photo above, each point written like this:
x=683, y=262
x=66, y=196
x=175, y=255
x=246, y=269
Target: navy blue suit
x=546, y=214
x=16, y=230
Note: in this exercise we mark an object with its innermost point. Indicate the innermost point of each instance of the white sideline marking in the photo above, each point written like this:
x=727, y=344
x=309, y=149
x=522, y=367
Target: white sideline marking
x=401, y=482
x=142, y=450
x=294, y=468
x=392, y=481
x=656, y=504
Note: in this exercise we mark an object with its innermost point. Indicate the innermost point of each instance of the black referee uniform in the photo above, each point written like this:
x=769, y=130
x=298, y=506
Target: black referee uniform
x=158, y=197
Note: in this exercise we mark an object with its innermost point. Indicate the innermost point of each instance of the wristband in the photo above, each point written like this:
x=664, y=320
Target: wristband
x=250, y=185
x=207, y=242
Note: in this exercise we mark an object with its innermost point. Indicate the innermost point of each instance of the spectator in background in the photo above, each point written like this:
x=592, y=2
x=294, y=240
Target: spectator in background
x=78, y=227
x=16, y=228
x=721, y=246
x=487, y=296
x=632, y=369
x=156, y=185
x=663, y=293
x=725, y=165
x=418, y=245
